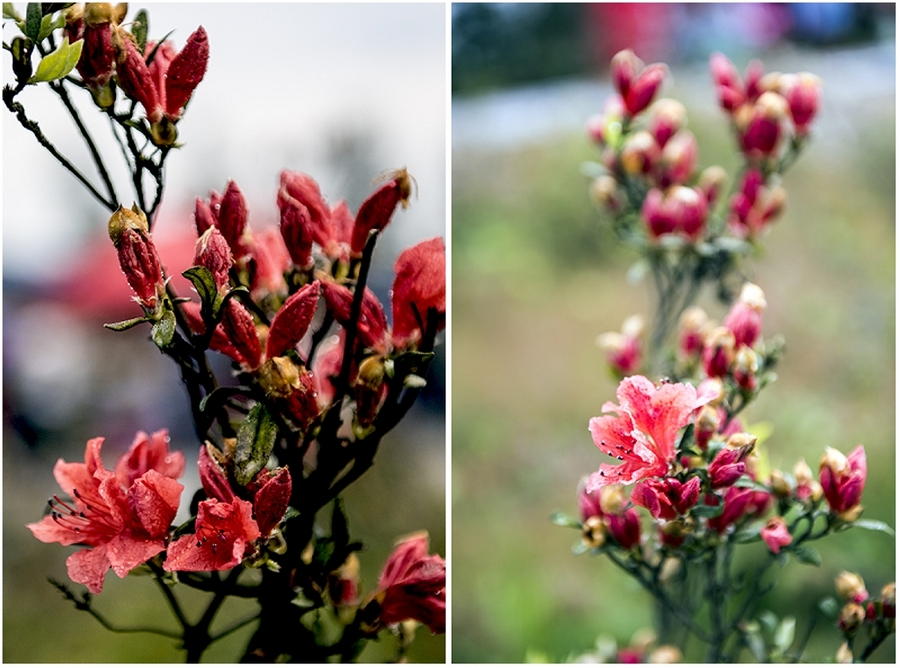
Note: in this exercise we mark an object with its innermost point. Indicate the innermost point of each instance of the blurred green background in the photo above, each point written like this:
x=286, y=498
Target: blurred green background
x=537, y=276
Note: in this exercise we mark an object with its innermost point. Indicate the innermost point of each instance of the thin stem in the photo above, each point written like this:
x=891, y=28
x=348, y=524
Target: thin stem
x=60, y=90
x=34, y=128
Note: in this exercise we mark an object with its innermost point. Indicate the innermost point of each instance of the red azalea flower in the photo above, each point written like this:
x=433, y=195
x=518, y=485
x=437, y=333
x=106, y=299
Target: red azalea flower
x=149, y=453
x=124, y=526
x=843, y=480
x=412, y=585
x=775, y=534
x=642, y=435
x=223, y=533
x=667, y=499
x=419, y=285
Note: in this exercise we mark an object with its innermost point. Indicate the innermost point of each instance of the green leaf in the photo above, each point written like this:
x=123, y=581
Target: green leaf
x=59, y=63
x=49, y=24
x=9, y=12
x=873, y=525
x=687, y=438
x=754, y=640
x=784, y=634
x=830, y=608
x=164, y=329
x=580, y=548
x=139, y=28
x=206, y=288
x=808, y=555
x=255, y=440
x=562, y=520
x=707, y=511
x=122, y=325
x=32, y=20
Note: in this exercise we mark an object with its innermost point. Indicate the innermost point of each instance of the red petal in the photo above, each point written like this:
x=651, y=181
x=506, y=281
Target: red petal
x=419, y=285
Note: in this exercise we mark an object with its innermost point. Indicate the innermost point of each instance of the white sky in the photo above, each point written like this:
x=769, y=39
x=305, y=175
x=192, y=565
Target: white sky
x=285, y=84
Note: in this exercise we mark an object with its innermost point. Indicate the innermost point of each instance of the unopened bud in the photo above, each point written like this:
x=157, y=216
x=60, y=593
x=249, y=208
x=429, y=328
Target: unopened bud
x=667, y=116
x=665, y=654
x=693, y=327
x=137, y=254
x=639, y=153
x=852, y=617
x=711, y=182
x=613, y=499
x=843, y=655
x=850, y=587
x=778, y=483
x=889, y=600
x=604, y=191
x=593, y=532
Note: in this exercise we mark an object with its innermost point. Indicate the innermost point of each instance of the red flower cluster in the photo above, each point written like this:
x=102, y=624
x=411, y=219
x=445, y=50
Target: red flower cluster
x=123, y=516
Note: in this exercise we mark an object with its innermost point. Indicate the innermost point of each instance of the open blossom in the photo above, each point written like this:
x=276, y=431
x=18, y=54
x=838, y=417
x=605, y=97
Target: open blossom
x=122, y=525
x=843, y=479
x=223, y=533
x=642, y=433
x=412, y=585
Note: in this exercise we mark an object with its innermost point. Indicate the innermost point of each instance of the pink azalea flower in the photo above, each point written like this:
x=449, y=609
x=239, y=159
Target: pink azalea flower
x=122, y=526
x=223, y=533
x=412, y=585
x=775, y=534
x=642, y=434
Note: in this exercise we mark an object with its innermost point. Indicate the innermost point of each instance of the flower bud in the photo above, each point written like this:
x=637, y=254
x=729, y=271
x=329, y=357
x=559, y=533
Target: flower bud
x=729, y=86
x=129, y=232
x=678, y=160
x=889, y=600
x=343, y=584
x=640, y=153
x=775, y=534
x=745, y=317
x=593, y=532
x=850, y=587
x=212, y=252
x=693, y=327
x=843, y=480
x=604, y=191
x=231, y=219
x=588, y=502
x=843, y=654
x=624, y=68
x=718, y=352
x=644, y=88
x=705, y=426
x=802, y=92
x=729, y=464
x=852, y=617
x=665, y=654
x=625, y=528
x=376, y=211
x=745, y=368
x=292, y=320
x=667, y=117
x=623, y=349
x=711, y=182
x=134, y=76
x=779, y=484
x=613, y=499
x=237, y=323
x=185, y=72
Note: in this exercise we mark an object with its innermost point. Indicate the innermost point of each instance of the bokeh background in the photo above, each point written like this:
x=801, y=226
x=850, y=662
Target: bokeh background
x=339, y=91
x=537, y=276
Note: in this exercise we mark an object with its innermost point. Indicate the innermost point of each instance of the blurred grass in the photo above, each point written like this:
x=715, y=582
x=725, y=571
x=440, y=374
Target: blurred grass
x=536, y=277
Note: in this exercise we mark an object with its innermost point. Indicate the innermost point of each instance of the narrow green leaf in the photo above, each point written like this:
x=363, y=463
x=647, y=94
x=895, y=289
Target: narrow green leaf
x=755, y=642
x=32, y=20
x=874, y=525
x=769, y=621
x=562, y=520
x=580, y=548
x=807, y=554
x=255, y=440
x=687, y=438
x=784, y=634
x=47, y=26
x=164, y=330
x=139, y=28
x=9, y=12
x=59, y=63
x=122, y=325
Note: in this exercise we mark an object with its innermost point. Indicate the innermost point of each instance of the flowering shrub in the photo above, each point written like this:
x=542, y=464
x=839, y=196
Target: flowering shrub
x=317, y=375
x=679, y=441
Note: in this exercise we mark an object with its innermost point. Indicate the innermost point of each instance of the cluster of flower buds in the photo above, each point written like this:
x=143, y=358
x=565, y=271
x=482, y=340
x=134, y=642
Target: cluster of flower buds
x=733, y=351
x=766, y=109
x=153, y=74
x=860, y=609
